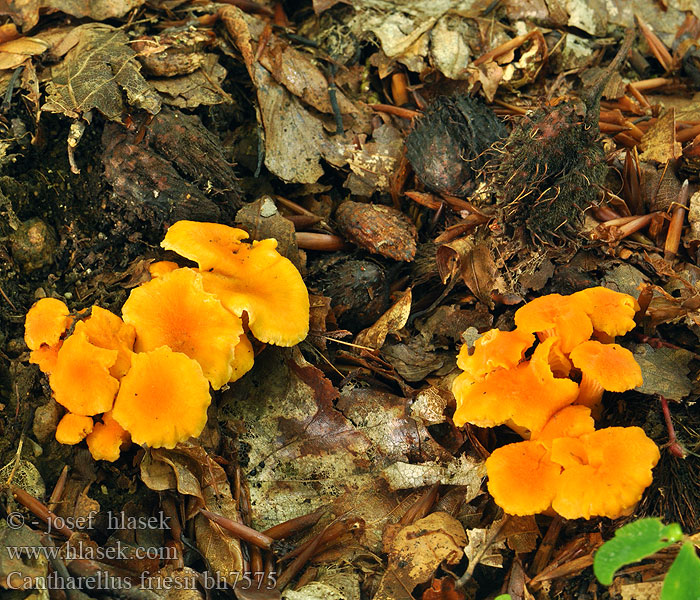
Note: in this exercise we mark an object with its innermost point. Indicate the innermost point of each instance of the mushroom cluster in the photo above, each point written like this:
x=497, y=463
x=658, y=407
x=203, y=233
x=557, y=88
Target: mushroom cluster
x=145, y=376
x=550, y=399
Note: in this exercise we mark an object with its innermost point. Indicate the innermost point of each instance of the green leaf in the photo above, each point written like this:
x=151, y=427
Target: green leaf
x=631, y=543
x=503, y=597
x=683, y=578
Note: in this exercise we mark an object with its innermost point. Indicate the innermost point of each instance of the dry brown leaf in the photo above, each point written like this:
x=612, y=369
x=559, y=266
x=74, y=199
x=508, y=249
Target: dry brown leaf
x=201, y=88
x=392, y=321
x=25, y=13
x=94, y=75
x=417, y=551
x=195, y=474
x=296, y=71
x=14, y=52
x=659, y=143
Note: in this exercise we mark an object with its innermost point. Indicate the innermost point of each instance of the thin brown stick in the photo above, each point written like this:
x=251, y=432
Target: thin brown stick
x=40, y=510
x=328, y=242
x=288, y=528
x=635, y=225
x=673, y=237
x=239, y=530
x=638, y=96
x=685, y=135
x=651, y=84
x=397, y=111
x=57, y=492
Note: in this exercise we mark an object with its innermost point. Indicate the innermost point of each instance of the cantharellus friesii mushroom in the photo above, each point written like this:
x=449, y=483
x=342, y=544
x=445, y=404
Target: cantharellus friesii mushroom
x=538, y=399
x=573, y=470
x=146, y=378
x=251, y=278
x=46, y=323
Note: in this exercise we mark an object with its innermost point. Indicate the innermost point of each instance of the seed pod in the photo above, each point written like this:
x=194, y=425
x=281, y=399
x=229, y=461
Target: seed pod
x=378, y=229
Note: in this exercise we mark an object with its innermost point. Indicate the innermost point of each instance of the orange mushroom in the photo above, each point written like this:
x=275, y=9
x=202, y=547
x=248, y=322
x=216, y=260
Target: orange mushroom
x=251, y=278
x=163, y=399
x=570, y=422
x=604, y=367
x=211, y=245
x=81, y=380
x=45, y=357
x=107, y=330
x=107, y=439
x=612, y=313
x=46, y=321
x=73, y=428
x=493, y=350
x=605, y=472
x=554, y=314
x=174, y=310
x=244, y=357
x=162, y=267
x=526, y=395
x=522, y=478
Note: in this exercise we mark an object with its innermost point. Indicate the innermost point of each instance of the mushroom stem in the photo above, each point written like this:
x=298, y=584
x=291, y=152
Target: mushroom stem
x=673, y=446
x=590, y=394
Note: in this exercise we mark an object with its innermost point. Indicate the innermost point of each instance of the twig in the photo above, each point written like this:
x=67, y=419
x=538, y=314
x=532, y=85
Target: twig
x=673, y=446
x=673, y=237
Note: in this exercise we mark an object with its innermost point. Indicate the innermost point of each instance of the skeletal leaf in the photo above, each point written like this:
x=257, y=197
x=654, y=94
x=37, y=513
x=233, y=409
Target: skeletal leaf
x=96, y=73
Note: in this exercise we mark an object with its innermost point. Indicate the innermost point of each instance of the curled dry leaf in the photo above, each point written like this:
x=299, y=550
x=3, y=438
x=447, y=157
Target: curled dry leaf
x=392, y=321
x=417, y=551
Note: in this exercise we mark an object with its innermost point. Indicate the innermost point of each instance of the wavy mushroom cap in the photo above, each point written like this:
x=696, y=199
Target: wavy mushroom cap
x=604, y=367
x=610, y=312
x=45, y=323
x=244, y=357
x=162, y=267
x=211, y=245
x=528, y=395
x=72, y=429
x=252, y=278
x=522, y=478
x=81, y=380
x=163, y=399
x=107, y=330
x=174, y=310
x=45, y=357
x=493, y=350
x=270, y=290
x=557, y=315
x=605, y=472
x=107, y=439
x=570, y=422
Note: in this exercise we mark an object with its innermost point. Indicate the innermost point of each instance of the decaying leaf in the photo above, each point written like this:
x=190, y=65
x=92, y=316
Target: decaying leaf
x=390, y=322
x=659, y=143
x=195, y=474
x=665, y=371
x=96, y=73
x=14, y=52
x=462, y=471
x=200, y=88
x=25, y=13
x=305, y=452
x=417, y=551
